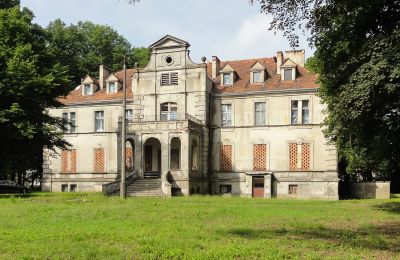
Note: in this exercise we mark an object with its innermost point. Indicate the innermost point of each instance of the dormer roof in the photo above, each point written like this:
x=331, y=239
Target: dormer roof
x=112, y=78
x=169, y=41
x=257, y=66
x=227, y=68
x=288, y=63
x=89, y=80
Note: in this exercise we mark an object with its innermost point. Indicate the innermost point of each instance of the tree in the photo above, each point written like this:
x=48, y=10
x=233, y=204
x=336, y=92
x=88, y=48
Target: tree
x=358, y=59
x=84, y=46
x=30, y=82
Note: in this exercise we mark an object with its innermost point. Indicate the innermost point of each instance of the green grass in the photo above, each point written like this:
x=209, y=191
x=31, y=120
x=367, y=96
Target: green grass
x=90, y=226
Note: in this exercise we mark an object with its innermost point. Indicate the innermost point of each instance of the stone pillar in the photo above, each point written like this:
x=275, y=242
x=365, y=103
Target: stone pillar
x=268, y=186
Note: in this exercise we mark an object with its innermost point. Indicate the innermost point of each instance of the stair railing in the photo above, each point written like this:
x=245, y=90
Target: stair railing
x=114, y=186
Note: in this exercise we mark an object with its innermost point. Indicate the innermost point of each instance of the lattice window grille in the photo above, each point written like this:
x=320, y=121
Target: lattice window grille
x=259, y=157
x=226, y=157
x=98, y=160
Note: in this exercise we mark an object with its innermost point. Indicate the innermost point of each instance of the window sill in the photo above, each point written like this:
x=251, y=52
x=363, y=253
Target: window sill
x=300, y=126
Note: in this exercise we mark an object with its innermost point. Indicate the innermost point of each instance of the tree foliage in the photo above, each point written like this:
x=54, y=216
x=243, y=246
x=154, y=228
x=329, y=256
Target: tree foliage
x=30, y=82
x=358, y=59
x=84, y=46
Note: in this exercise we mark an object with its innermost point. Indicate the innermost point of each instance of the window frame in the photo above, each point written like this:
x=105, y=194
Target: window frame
x=128, y=117
x=263, y=113
x=109, y=87
x=259, y=72
x=285, y=70
x=226, y=113
x=70, y=127
x=171, y=114
x=90, y=89
x=229, y=76
x=301, y=111
x=95, y=121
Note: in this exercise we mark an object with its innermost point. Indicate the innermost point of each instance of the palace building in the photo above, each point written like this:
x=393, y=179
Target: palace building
x=244, y=127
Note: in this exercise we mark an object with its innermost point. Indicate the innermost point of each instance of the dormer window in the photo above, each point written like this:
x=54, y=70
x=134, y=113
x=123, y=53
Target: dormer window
x=87, y=90
x=227, y=79
x=288, y=74
x=257, y=77
x=112, y=87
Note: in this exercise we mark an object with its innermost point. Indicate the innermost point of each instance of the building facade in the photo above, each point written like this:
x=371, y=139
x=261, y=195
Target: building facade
x=246, y=127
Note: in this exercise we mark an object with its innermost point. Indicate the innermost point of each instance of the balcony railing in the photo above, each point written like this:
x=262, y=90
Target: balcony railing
x=165, y=117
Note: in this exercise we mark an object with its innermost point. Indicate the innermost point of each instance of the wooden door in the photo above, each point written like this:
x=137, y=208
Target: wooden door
x=258, y=187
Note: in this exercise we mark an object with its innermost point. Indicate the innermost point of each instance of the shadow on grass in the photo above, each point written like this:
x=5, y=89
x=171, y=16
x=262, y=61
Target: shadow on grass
x=377, y=237
x=392, y=207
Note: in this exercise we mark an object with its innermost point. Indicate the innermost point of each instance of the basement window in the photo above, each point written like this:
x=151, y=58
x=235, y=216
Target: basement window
x=72, y=188
x=225, y=189
x=64, y=187
x=293, y=189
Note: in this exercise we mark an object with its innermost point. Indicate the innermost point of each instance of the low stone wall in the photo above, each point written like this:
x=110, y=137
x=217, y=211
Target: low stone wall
x=369, y=190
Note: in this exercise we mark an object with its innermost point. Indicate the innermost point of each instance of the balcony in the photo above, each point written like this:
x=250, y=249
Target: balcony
x=164, y=121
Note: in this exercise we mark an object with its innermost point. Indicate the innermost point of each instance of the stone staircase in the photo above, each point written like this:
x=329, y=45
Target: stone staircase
x=147, y=187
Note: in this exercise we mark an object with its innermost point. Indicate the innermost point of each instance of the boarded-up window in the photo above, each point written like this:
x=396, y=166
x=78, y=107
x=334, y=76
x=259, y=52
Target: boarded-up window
x=99, y=160
x=299, y=157
x=305, y=156
x=129, y=158
x=259, y=157
x=226, y=158
x=69, y=161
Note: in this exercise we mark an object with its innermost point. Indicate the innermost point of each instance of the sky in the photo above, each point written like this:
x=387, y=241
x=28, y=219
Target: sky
x=229, y=29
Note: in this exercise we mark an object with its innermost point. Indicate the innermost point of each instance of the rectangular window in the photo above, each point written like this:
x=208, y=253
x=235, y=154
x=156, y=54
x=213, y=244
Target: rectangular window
x=87, y=90
x=257, y=77
x=99, y=121
x=64, y=187
x=259, y=113
x=129, y=115
x=305, y=119
x=226, y=111
x=72, y=120
x=299, y=157
x=287, y=74
x=98, y=160
x=227, y=78
x=69, y=161
x=169, y=111
x=225, y=158
x=112, y=87
x=294, y=112
x=293, y=189
x=169, y=79
x=72, y=188
x=259, y=157
x=225, y=189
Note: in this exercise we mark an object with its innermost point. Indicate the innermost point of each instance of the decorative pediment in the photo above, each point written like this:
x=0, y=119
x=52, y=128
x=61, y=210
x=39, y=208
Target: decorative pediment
x=227, y=68
x=169, y=41
x=288, y=64
x=257, y=67
x=112, y=78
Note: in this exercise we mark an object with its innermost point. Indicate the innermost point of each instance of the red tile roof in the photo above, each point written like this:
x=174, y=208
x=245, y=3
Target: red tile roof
x=76, y=96
x=304, y=79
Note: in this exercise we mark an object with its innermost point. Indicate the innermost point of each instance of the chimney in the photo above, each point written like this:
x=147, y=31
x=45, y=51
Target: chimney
x=297, y=56
x=279, y=60
x=215, y=68
x=103, y=74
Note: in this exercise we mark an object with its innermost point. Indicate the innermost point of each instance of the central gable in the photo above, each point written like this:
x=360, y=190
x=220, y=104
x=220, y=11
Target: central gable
x=169, y=41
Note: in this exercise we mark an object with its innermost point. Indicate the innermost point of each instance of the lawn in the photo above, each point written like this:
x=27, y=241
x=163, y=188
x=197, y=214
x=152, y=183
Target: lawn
x=90, y=226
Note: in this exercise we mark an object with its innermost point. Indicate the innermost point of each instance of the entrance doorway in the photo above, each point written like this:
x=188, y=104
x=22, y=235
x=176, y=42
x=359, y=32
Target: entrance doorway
x=152, y=158
x=258, y=187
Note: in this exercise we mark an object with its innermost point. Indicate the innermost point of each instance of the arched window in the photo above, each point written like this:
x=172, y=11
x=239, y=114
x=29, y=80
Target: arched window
x=129, y=155
x=169, y=111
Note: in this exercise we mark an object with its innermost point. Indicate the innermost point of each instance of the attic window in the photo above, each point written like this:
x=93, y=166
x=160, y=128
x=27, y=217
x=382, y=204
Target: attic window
x=87, y=90
x=168, y=60
x=112, y=88
x=169, y=79
x=227, y=79
x=257, y=77
x=287, y=74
